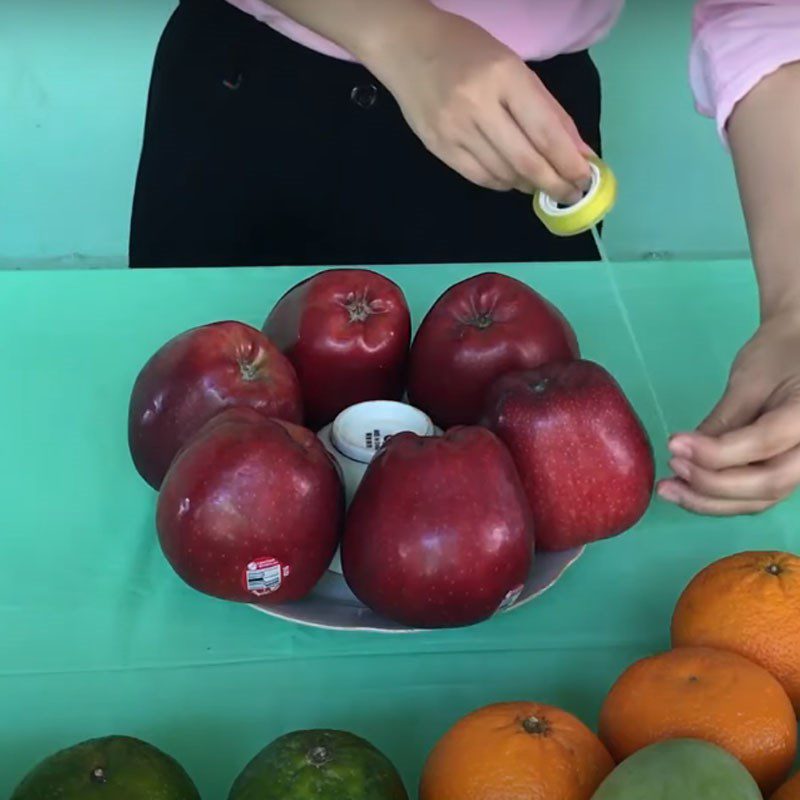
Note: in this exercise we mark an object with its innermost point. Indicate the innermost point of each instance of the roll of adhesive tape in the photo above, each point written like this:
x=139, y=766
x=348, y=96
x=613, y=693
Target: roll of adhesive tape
x=587, y=212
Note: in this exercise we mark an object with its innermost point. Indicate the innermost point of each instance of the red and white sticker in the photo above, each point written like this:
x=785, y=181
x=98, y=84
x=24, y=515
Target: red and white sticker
x=264, y=576
x=511, y=597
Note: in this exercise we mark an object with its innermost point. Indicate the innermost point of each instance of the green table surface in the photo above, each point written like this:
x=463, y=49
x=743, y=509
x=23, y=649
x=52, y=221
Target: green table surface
x=97, y=635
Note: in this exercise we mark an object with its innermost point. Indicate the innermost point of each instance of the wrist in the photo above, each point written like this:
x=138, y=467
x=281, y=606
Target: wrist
x=775, y=250
x=385, y=37
x=778, y=286
x=784, y=302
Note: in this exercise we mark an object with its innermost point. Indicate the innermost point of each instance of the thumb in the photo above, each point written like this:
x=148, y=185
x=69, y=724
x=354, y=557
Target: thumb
x=737, y=408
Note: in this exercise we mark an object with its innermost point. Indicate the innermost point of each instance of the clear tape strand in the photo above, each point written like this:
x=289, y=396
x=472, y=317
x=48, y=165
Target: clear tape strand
x=626, y=319
x=601, y=249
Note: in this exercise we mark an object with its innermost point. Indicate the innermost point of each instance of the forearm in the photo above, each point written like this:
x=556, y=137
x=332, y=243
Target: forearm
x=363, y=27
x=764, y=133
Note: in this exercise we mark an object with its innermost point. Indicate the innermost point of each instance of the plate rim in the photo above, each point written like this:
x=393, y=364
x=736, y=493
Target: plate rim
x=271, y=612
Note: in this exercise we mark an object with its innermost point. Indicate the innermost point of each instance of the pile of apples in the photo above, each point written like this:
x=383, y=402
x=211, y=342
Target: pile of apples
x=541, y=450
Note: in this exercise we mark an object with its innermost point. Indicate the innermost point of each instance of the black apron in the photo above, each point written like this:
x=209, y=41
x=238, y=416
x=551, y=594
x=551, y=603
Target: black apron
x=260, y=152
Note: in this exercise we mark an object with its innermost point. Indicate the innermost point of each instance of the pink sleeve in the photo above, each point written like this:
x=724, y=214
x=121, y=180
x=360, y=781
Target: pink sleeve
x=735, y=45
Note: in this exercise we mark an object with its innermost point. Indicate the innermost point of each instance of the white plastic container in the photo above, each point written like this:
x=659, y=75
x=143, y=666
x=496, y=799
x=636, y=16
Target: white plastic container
x=356, y=435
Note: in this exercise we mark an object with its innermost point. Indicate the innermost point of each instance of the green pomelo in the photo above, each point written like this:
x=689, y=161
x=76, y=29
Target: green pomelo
x=319, y=765
x=112, y=768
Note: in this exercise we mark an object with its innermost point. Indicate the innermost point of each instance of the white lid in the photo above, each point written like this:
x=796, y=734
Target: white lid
x=360, y=431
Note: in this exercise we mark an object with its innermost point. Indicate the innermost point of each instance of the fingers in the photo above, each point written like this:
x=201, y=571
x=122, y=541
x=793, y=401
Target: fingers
x=771, y=434
x=496, y=154
x=771, y=481
x=681, y=494
x=544, y=128
x=501, y=172
x=506, y=131
x=745, y=471
x=466, y=164
x=531, y=170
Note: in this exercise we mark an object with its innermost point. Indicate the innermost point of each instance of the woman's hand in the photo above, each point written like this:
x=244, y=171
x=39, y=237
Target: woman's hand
x=745, y=457
x=479, y=108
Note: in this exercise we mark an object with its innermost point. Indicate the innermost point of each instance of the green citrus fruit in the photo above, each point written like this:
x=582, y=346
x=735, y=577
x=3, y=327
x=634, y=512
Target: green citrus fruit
x=319, y=765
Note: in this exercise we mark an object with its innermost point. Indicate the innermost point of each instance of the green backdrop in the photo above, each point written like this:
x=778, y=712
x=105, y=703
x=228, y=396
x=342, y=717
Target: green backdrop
x=97, y=634
x=73, y=82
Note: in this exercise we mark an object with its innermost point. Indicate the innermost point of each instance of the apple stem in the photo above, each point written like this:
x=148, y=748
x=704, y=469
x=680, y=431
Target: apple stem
x=479, y=319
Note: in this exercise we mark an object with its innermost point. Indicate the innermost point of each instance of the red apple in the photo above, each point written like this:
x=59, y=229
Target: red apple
x=347, y=332
x=584, y=457
x=195, y=376
x=251, y=510
x=477, y=331
x=439, y=533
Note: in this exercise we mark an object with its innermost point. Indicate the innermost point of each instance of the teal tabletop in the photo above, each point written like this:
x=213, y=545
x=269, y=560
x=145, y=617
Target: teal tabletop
x=98, y=635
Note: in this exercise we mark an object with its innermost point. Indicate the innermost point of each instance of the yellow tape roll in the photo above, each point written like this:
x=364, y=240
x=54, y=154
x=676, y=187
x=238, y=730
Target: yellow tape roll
x=587, y=212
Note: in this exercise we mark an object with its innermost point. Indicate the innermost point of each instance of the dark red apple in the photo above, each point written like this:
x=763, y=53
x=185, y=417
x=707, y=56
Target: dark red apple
x=585, y=459
x=477, y=331
x=251, y=510
x=195, y=376
x=347, y=332
x=439, y=533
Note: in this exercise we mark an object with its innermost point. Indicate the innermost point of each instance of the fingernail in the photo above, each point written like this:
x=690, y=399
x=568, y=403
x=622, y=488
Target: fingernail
x=681, y=468
x=681, y=448
x=586, y=184
x=574, y=197
x=669, y=492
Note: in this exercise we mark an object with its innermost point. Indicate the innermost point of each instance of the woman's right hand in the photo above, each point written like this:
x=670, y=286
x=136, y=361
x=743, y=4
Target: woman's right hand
x=478, y=107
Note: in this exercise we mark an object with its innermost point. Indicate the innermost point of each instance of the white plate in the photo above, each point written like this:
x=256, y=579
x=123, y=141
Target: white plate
x=332, y=605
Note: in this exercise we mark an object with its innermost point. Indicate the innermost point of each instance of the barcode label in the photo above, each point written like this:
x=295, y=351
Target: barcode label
x=375, y=439
x=264, y=576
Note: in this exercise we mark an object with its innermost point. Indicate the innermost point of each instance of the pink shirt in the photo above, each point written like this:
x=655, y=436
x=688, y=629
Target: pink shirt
x=736, y=43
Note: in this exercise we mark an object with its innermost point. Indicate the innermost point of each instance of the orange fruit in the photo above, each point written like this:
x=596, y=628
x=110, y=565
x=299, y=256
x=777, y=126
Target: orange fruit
x=516, y=751
x=748, y=603
x=790, y=790
x=702, y=693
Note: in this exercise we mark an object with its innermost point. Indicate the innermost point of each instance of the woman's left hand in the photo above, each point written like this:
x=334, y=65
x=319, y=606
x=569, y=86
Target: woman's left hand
x=745, y=457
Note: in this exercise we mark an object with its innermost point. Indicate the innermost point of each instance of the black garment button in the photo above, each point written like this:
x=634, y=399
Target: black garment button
x=364, y=96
